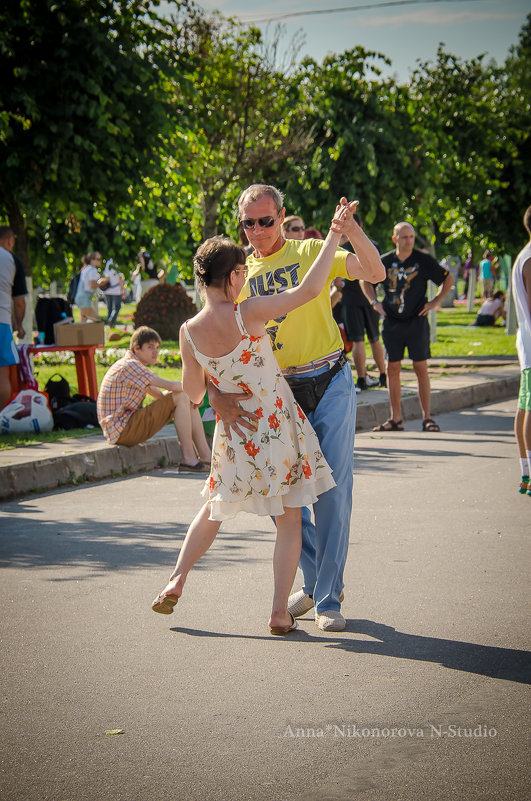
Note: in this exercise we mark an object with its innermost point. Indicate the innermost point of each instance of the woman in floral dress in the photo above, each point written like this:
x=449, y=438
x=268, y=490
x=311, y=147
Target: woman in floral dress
x=279, y=468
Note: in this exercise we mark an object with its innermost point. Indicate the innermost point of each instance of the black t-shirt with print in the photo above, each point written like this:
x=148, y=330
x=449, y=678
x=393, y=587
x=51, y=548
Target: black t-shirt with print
x=406, y=283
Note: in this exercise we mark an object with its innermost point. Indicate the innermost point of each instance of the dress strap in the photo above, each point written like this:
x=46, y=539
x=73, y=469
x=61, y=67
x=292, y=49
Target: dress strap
x=238, y=315
x=189, y=338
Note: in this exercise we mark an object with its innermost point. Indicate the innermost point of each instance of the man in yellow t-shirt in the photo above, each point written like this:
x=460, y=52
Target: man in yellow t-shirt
x=308, y=347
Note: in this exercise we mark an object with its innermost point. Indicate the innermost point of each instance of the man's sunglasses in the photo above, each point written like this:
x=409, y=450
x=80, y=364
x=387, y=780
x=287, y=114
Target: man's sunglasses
x=263, y=222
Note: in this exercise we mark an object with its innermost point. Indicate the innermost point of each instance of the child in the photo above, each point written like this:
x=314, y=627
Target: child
x=279, y=468
x=125, y=421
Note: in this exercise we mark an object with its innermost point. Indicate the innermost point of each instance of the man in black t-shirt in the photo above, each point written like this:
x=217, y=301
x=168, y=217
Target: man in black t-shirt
x=405, y=308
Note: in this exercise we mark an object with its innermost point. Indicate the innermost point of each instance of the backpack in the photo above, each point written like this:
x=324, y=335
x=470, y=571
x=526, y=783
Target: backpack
x=49, y=311
x=80, y=413
x=72, y=288
x=58, y=390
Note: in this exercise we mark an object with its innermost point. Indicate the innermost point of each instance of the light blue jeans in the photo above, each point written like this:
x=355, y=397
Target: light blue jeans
x=325, y=544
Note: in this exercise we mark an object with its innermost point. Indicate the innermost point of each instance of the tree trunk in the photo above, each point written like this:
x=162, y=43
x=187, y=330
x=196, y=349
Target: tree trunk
x=210, y=214
x=16, y=221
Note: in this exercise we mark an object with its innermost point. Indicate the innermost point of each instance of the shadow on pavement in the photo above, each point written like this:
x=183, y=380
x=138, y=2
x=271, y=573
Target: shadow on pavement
x=105, y=546
x=485, y=660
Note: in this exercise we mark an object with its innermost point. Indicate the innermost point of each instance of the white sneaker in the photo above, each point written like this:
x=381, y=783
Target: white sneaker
x=330, y=620
x=371, y=382
x=299, y=603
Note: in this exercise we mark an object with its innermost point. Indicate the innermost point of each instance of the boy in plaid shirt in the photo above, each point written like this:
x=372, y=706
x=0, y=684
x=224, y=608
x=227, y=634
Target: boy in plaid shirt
x=123, y=419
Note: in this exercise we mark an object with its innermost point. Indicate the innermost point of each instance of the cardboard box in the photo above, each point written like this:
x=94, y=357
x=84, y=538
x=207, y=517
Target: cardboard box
x=66, y=334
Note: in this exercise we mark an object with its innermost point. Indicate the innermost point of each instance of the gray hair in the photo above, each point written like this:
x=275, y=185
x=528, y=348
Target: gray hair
x=257, y=191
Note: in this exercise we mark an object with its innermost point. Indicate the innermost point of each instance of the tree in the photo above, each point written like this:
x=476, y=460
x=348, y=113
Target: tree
x=84, y=108
x=244, y=118
x=468, y=138
x=362, y=143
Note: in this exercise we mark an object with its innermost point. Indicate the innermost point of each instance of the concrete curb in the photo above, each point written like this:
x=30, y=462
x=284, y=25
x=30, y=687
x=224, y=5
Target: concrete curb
x=98, y=461
x=442, y=400
x=107, y=461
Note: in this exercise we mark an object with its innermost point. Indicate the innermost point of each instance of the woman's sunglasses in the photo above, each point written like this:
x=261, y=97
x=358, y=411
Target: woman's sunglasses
x=263, y=222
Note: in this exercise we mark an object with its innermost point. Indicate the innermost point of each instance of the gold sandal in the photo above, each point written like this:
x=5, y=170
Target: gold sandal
x=163, y=604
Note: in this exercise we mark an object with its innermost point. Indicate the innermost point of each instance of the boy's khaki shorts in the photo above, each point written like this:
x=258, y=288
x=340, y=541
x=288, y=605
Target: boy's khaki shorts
x=147, y=421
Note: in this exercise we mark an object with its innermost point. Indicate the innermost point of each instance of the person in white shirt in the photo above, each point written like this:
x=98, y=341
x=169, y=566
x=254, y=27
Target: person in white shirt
x=521, y=284
x=86, y=289
x=113, y=288
x=491, y=310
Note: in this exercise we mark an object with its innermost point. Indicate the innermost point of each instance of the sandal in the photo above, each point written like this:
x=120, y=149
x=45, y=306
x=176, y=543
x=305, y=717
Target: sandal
x=164, y=603
x=280, y=630
x=390, y=425
x=430, y=425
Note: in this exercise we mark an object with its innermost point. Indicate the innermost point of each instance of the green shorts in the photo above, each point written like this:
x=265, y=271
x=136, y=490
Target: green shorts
x=524, y=397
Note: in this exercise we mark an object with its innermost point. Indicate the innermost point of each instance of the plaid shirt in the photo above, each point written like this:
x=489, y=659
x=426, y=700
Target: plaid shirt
x=122, y=392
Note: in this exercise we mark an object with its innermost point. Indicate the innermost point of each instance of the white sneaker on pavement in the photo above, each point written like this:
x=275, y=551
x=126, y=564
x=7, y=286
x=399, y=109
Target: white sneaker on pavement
x=299, y=603
x=330, y=620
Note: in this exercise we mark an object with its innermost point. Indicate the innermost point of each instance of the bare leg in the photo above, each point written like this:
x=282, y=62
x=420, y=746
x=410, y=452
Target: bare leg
x=285, y=560
x=378, y=355
x=5, y=386
x=358, y=354
x=183, y=425
x=198, y=436
x=395, y=390
x=87, y=314
x=199, y=537
x=423, y=380
x=519, y=431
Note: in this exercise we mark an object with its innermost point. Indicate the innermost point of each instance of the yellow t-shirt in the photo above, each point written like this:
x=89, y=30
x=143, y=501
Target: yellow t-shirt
x=309, y=332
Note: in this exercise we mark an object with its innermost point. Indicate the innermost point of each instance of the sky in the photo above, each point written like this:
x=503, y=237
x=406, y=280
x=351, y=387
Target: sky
x=404, y=31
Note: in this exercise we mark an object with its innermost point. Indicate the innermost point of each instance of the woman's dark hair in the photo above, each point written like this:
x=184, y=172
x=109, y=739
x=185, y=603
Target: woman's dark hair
x=215, y=260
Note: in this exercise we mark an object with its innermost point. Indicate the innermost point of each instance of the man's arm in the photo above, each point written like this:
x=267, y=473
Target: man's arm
x=19, y=309
x=526, y=277
x=227, y=407
x=445, y=287
x=370, y=293
x=365, y=264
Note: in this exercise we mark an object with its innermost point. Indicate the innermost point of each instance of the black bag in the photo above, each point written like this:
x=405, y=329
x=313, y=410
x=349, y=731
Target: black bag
x=309, y=391
x=72, y=288
x=58, y=390
x=49, y=311
x=80, y=413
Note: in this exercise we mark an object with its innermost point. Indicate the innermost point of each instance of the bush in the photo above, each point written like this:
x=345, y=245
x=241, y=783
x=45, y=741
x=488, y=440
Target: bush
x=165, y=308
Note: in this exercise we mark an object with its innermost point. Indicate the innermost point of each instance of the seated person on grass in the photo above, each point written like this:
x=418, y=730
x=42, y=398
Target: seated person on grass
x=491, y=310
x=123, y=419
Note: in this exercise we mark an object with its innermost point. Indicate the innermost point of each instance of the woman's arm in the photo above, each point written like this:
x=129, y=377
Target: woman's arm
x=194, y=376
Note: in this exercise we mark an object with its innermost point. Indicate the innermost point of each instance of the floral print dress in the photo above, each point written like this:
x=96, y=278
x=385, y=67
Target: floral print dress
x=281, y=464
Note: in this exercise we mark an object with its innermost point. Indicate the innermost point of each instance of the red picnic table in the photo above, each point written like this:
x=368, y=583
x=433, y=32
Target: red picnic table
x=85, y=356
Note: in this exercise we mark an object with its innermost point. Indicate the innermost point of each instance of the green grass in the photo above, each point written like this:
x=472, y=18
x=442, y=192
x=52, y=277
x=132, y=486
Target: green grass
x=455, y=338
x=10, y=441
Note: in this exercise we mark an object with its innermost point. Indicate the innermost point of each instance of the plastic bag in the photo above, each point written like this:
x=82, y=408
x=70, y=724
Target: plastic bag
x=28, y=411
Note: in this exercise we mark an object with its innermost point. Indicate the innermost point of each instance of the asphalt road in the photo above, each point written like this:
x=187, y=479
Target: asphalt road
x=424, y=696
